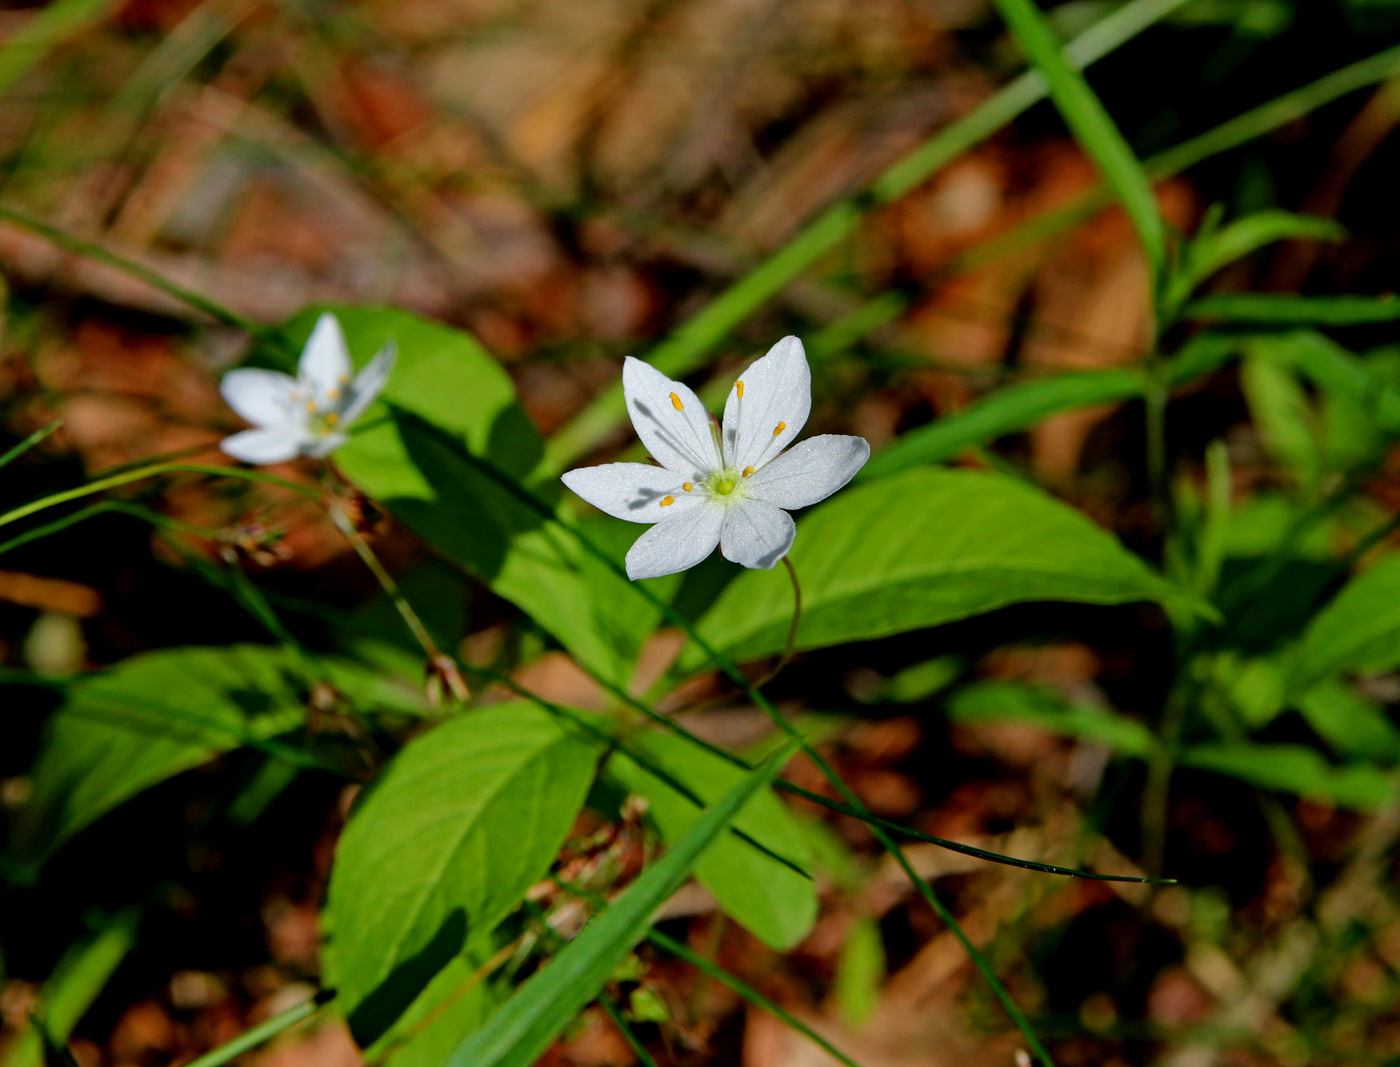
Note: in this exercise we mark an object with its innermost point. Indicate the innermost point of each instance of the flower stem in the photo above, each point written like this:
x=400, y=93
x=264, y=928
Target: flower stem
x=791, y=646
x=439, y=663
x=264, y=1032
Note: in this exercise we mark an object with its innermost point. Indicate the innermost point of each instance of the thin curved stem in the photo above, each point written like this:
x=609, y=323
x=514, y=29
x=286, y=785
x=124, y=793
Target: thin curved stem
x=790, y=647
x=152, y=471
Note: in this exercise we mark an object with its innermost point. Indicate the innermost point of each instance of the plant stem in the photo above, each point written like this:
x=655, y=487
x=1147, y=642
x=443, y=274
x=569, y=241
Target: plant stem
x=30, y=441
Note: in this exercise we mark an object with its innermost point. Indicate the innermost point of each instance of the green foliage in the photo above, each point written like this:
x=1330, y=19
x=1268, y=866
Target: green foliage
x=150, y=717
x=887, y=557
x=860, y=971
x=1044, y=709
x=772, y=901
x=465, y=820
x=1358, y=631
x=1297, y=770
x=519, y=1032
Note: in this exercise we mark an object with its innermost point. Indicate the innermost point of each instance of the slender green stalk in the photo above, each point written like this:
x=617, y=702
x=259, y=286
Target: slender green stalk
x=152, y=471
x=687, y=347
x=682, y=951
x=1092, y=128
x=90, y=512
x=29, y=442
x=47, y=28
x=71, y=243
x=638, y=1049
x=264, y=1031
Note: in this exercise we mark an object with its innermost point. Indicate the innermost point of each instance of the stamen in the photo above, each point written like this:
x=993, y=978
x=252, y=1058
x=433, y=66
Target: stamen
x=779, y=428
x=748, y=471
x=667, y=501
x=332, y=417
x=311, y=405
x=739, y=387
x=334, y=394
x=687, y=487
x=676, y=402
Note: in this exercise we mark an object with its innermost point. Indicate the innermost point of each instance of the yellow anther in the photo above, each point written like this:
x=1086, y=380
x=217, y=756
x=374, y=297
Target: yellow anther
x=667, y=501
x=739, y=388
x=332, y=418
x=779, y=428
x=676, y=402
x=311, y=405
x=334, y=394
x=687, y=487
x=748, y=471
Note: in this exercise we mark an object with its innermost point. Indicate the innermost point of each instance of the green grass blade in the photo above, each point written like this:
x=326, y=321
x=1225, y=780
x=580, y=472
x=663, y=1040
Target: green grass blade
x=638, y=1049
x=48, y=28
x=81, y=975
x=29, y=442
x=156, y=469
x=524, y=1027
x=1092, y=127
x=1005, y=411
x=264, y=1031
x=723, y=977
x=1280, y=309
x=685, y=349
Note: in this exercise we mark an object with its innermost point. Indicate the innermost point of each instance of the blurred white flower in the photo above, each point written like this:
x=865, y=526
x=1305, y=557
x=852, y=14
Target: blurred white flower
x=309, y=414
x=724, y=486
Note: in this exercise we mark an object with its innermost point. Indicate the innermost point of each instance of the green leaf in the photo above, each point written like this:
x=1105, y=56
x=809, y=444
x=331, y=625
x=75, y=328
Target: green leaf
x=520, y=1032
x=465, y=820
x=1008, y=410
x=76, y=982
x=1093, y=129
x=1219, y=248
x=1359, y=630
x=1355, y=726
x=1298, y=770
x=773, y=902
x=1285, y=418
x=1279, y=309
x=860, y=971
x=449, y=409
x=149, y=718
x=918, y=549
x=1046, y=710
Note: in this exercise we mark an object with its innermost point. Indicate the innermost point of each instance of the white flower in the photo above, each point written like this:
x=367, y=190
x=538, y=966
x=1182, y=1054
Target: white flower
x=726, y=487
x=309, y=414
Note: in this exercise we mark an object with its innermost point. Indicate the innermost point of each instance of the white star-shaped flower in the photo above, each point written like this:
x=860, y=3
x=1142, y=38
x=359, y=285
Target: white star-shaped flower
x=728, y=487
x=309, y=414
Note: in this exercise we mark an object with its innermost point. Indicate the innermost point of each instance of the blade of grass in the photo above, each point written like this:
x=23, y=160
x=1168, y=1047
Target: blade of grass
x=524, y=1027
x=156, y=469
x=687, y=347
x=70, y=243
x=48, y=28
x=79, y=978
x=29, y=442
x=1257, y=122
x=1282, y=309
x=251, y=1039
x=638, y=1049
x=720, y=975
x=1087, y=118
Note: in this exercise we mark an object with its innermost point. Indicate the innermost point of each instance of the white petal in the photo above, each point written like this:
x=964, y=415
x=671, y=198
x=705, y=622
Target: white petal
x=677, y=438
x=777, y=391
x=263, y=397
x=324, y=446
x=677, y=543
x=367, y=384
x=635, y=491
x=756, y=534
x=275, y=445
x=325, y=361
x=810, y=471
